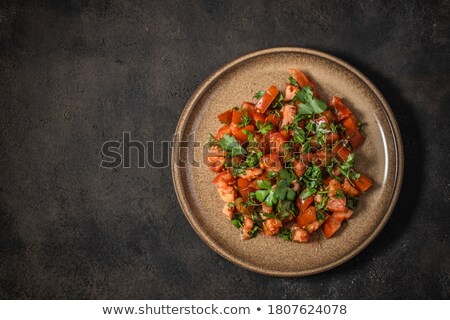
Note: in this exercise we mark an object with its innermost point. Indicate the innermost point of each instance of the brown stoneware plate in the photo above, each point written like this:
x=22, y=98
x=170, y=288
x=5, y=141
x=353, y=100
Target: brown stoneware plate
x=380, y=157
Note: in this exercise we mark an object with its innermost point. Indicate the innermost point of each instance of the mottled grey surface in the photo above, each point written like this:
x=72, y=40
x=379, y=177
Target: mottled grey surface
x=73, y=75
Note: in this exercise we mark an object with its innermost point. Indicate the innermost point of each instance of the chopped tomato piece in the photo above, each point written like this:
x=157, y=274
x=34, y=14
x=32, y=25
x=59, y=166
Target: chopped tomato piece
x=288, y=113
x=289, y=92
x=349, y=190
x=225, y=117
x=340, y=108
x=273, y=118
x=244, y=188
x=248, y=106
x=239, y=134
x=271, y=162
x=223, y=131
x=236, y=117
x=224, y=179
x=271, y=226
x=277, y=141
x=334, y=222
x=247, y=228
x=352, y=131
x=300, y=77
x=329, y=115
x=326, y=182
x=301, y=204
x=362, y=183
x=336, y=204
x=333, y=187
x=306, y=217
x=299, y=168
x=266, y=99
x=342, y=151
x=299, y=234
x=228, y=211
x=332, y=225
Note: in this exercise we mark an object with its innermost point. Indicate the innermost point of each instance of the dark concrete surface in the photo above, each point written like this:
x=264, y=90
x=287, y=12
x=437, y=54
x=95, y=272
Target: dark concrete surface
x=75, y=74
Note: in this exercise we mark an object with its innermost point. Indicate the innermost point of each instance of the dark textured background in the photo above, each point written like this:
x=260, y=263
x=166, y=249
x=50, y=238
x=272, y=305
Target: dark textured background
x=75, y=74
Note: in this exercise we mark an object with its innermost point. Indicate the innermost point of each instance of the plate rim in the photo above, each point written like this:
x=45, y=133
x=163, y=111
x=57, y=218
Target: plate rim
x=204, y=86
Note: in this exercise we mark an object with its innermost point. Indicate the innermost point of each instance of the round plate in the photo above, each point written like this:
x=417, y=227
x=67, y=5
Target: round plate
x=380, y=158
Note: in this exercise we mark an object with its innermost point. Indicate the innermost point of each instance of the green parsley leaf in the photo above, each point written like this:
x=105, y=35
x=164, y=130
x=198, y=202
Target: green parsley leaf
x=322, y=203
x=245, y=120
x=286, y=234
x=254, y=231
x=284, y=174
x=339, y=194
x=253, y=159
x=290, y=195
x=320, y=216
x=270, y=200
x=237, y=221
x=307, y=193
x=271, y=174
x=308, y=103
x=299, y=135
x=293, y=82
x=264, y=128
x=261, y=195
x=259, y=94
x=264, y=184
x=231, y=145
x=278, y=101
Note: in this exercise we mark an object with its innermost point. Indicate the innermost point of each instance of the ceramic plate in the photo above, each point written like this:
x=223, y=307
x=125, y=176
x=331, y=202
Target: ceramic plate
x=380, y=157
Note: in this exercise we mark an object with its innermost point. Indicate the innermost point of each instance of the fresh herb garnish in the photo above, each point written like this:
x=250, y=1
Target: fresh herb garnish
x=264, y=128
x=322, y=204
x=259, y=94
x=231, y=145
x=308, y=103
x=339, y=194
x=278, y=101
x=286, y=234
x=293, y=82
x=307, y=193
x=237, y=221
x=245, y=120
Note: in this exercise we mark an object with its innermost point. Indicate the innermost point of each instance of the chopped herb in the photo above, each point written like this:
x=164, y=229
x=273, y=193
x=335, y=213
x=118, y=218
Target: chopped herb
x=237, y=221
x=211, y=140
x=286, y=234
x=339, y=194
x=299, y=135
x=264, y=128
x=271, y=174
x=293, y=82
x=320, y=216
x=259, y=94
x=245, y=120
x=278, y=101
x=307, y=193
x=322, y=204
x=254, y=231
x=253, y=158
x=238, y=169
x=231, y=145
x=308, y=103
x=306, y=147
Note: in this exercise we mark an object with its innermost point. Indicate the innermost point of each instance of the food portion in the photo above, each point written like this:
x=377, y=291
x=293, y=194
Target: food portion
x=284, y=163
